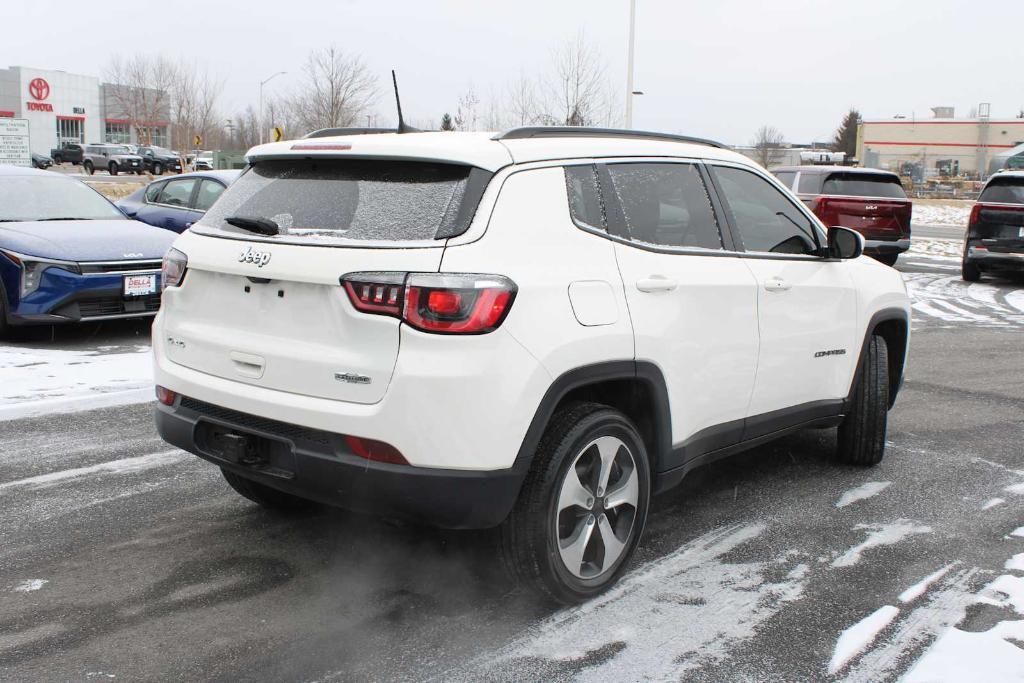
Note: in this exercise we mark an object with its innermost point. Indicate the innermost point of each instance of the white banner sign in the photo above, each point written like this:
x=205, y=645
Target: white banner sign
x=14, y=149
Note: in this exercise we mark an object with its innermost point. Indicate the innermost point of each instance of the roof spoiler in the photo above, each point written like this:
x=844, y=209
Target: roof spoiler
x=334, y=132
x=527, y=132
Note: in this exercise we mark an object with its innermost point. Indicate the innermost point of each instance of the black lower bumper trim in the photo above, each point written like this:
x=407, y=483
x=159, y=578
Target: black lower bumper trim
x=320, y=469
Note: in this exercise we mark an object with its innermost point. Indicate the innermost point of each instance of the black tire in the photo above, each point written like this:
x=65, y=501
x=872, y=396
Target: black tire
x=969, y=271
x=529, y=536
x=112, y=168
x=5, y=327
x=861, y=437
x=158, y=169
x=887, y=259
x=264, y=495
x=87, y=165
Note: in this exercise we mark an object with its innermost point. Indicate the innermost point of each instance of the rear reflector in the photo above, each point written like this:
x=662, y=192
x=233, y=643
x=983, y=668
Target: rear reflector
x=377, y=451
x=165, y=396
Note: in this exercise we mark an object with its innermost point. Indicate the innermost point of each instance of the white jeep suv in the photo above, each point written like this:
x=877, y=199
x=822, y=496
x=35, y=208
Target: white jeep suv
x=536, y=331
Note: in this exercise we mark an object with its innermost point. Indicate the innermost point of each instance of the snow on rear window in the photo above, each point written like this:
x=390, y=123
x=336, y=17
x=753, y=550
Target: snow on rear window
x=344, y=198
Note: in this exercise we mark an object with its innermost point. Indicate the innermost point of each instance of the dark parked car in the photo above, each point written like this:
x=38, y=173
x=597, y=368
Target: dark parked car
x=177, y=203
x=867, y=200
x=995, y=233
x=157, y=160
x=68, y=151
x=68, y=255
x=41, y=160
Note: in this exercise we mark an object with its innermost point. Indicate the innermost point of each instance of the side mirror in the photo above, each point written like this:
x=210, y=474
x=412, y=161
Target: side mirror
x=844, y=243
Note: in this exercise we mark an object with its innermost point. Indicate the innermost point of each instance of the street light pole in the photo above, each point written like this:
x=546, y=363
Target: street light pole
x=262, y=83
x=629, y=66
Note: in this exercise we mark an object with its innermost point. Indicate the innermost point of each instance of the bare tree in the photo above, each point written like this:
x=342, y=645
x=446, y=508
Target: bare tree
x=337, y=90
x=768, y=145
x=244, y=129
x=194, y=106
x=524, y=106
x=466, y=113
x=140, y=88
x=578, y=90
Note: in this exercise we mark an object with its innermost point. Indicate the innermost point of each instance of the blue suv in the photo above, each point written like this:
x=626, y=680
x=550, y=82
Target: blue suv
x=69, y=255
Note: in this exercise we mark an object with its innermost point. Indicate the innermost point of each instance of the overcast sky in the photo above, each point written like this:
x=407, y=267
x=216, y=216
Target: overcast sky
x=717, y=68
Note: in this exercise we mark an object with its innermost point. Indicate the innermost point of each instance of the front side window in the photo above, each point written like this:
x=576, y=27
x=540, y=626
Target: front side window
x=178, y=193
x=585, y=202
x=666, y=204
x=767, y=221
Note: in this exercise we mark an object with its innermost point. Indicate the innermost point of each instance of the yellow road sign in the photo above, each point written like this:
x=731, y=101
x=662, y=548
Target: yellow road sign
x=199, y=141
x=278, y=134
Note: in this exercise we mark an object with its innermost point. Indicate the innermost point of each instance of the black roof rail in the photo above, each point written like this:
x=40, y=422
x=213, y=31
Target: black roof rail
x=586, y=132
x=333, y=132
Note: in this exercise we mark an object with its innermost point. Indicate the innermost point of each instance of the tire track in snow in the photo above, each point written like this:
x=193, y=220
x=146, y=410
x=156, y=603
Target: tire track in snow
x=945, y=299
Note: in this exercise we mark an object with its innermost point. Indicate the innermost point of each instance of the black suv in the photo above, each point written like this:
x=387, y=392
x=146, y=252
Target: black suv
x=157, y=160
x=995, y=234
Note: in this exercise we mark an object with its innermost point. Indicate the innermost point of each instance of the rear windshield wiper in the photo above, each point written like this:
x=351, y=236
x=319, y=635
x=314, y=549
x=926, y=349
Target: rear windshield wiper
x=263, y=226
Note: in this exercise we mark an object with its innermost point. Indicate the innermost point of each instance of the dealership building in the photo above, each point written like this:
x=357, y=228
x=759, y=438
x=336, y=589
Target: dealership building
x=63, y=107
x=977, y=145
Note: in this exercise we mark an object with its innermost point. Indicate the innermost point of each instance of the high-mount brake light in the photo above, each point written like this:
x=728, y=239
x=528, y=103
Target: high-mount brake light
x=321, y=146
x=442, y=303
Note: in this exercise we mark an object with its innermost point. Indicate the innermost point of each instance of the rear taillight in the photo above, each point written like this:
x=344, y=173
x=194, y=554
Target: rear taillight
x=434, y=302
x=975, y=215
x=172, y=271
x=829, y=215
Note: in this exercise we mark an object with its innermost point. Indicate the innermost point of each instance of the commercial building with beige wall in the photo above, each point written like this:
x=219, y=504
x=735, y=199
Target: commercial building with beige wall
x=976, y=144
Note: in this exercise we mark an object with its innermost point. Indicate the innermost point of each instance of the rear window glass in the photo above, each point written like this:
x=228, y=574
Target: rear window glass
x=809, y=183
x=1004, y=191
x=863, y=185
x=786, y=177
x=349, y=199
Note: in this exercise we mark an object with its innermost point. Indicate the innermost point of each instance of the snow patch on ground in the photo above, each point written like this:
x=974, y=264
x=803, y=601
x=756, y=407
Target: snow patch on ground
x=858, y=637
x=948, y=299
x=122, y=466
x=671, y=616
x=942, y=214
x=867, y=490
x=936, y=248
x=42, y=381
x=29, y=585
x=1019, y=532
x=992, y=502
x=992, y=656
x=1015, y=563
x=881, y=534
x=918, y=589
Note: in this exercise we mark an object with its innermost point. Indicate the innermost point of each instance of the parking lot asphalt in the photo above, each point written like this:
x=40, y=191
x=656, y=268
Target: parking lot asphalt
x=122, y=557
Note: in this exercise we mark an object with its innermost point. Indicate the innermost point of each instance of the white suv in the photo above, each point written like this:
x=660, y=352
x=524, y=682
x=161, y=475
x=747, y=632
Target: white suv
x=535, y=331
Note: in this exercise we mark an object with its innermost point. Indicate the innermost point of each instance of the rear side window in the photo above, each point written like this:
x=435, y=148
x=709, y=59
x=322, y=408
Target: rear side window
x=153, y=191
x=177, y=193
x=208, y=193
x=1004, y=191
x=665, y=205
x=353, y=199
x=585, y=202
x=765, y=218
x=786, y=177
x=863, y=185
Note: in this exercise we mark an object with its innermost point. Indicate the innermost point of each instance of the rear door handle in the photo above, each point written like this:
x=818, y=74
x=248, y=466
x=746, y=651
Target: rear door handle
x=776, y=284
x=656, y=283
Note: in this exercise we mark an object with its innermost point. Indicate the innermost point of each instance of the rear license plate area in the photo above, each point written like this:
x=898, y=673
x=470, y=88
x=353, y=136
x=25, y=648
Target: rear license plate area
x=246, y=449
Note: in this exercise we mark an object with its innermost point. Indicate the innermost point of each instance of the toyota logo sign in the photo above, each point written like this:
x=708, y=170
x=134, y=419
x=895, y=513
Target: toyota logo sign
x=39, y=89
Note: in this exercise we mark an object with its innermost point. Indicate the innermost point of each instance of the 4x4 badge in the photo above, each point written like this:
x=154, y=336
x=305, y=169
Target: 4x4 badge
x=250, y=255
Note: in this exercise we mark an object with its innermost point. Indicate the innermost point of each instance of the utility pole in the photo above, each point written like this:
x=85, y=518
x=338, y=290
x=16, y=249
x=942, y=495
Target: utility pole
x=629, y=65
x=262, y=83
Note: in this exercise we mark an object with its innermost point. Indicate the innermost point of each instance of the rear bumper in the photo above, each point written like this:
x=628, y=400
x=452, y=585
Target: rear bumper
x=991, y=260
x=316, y=465
x=897, y=246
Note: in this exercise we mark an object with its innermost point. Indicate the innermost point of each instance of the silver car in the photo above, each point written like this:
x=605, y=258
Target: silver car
x=112, y=158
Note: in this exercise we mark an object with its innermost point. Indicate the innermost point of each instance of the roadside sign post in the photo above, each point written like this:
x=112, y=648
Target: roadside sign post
x=14, y=145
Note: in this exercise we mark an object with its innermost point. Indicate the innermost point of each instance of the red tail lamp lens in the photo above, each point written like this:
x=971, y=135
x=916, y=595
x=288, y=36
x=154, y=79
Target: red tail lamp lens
x=165, y=396
x=444, y=302
x=377, y=451
x=376, y=292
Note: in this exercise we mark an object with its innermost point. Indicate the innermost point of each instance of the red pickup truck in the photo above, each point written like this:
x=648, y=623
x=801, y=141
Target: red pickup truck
x=867, y=200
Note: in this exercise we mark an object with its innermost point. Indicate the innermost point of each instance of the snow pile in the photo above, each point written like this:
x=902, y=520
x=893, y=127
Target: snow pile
x=941, y=214
x=871, y=488
x=41, y=381
x=919, y=588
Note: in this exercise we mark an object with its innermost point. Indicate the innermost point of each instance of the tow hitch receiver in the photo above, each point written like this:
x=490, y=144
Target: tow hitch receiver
x=237, y=448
